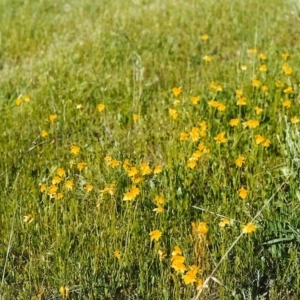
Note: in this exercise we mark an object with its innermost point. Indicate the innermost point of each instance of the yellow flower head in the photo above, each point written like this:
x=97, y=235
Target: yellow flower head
x=234, y=122
x=52, y=118
x=199, y=228
x=177, y=91
x=251, y=124
x=64, y=291
x=28, y=218
x=173, y=113
x=89, y=187
x=75, y=149
x=155, y=235
x=135, y=117
x=195, y=99
x=258, y=110
x=243, y=193
x=44, y=133
x=249, y=228
x=240, y=161
x=207, y=58
x=224, y=222
x=100, y=107
x=117, y=254
x=295, y=120
x=60, y=172
x=69, y=185
x=157, y=169
x=220, y=138
x=204, y=37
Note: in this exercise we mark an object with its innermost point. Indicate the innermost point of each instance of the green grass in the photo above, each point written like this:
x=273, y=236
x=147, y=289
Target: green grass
x=129, y=55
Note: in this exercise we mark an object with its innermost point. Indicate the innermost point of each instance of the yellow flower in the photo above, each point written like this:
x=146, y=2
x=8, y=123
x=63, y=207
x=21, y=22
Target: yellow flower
x=240, y=161
x=184, y=136
x=266, y=143
x=173, y=113
x=157, y=169
x=192, y=163
x=131, y=195
x=44, y=133
x=64, y=291
x=176, y=251
x=234, y=122
x=161, y=254
x=195, y=99
x=133, y=171
x=207, y=58
x=177, y=91
x=100, y=107
x=252, y=51
x=224, y=222
x=69, y=185
x=200, y=284
x=213, y=103
x=160, y=200
x=26, y=98
x=243, y=67
x=294, y=120
x=75, y=149
x=58, y=196
x=18, y=101
x=288, y=90
x=158, y=209
x=155, y=235
x=241, y=101
x=204, y=37
x=220, y=138
x=221, y=107
x=60, y=172
x=251, y=124
x=194, y=134
x=264, y=89
x=145, y=169
x=89, y=187
x=258, y=110
x=238, y=93
x=287, y=103
x=249, y=228
x=52, y=118
x=287, y=69
x=190, y=276
x=243, y=193
x=279, y=84
x=285, y=55
x=52, y=190
x=135, y=117
x=199, y=228
x=117, y=254
x=56, y=180
x=28, y=218
x=79, y=106
x=114, y=163
x=43, y=188
x=259, y=139
x=262, y=56
x=263, y=68
x=256, y=83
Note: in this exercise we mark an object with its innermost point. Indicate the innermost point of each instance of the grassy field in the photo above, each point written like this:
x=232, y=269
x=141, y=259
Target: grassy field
x=149, y=149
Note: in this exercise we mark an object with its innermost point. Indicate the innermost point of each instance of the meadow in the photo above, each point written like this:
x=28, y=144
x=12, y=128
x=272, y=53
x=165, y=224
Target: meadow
x=149, y=149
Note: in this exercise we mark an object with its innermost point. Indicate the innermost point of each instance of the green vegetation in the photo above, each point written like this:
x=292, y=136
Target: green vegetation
x=141, y=140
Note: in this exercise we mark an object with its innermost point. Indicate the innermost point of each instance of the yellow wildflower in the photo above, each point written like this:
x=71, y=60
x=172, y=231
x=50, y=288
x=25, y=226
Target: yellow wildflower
x=100, y=107
x=155, y=235
x=249, y=228
x=243, y=193
x=177, y=91
x=240, y=161
x=220, y=138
